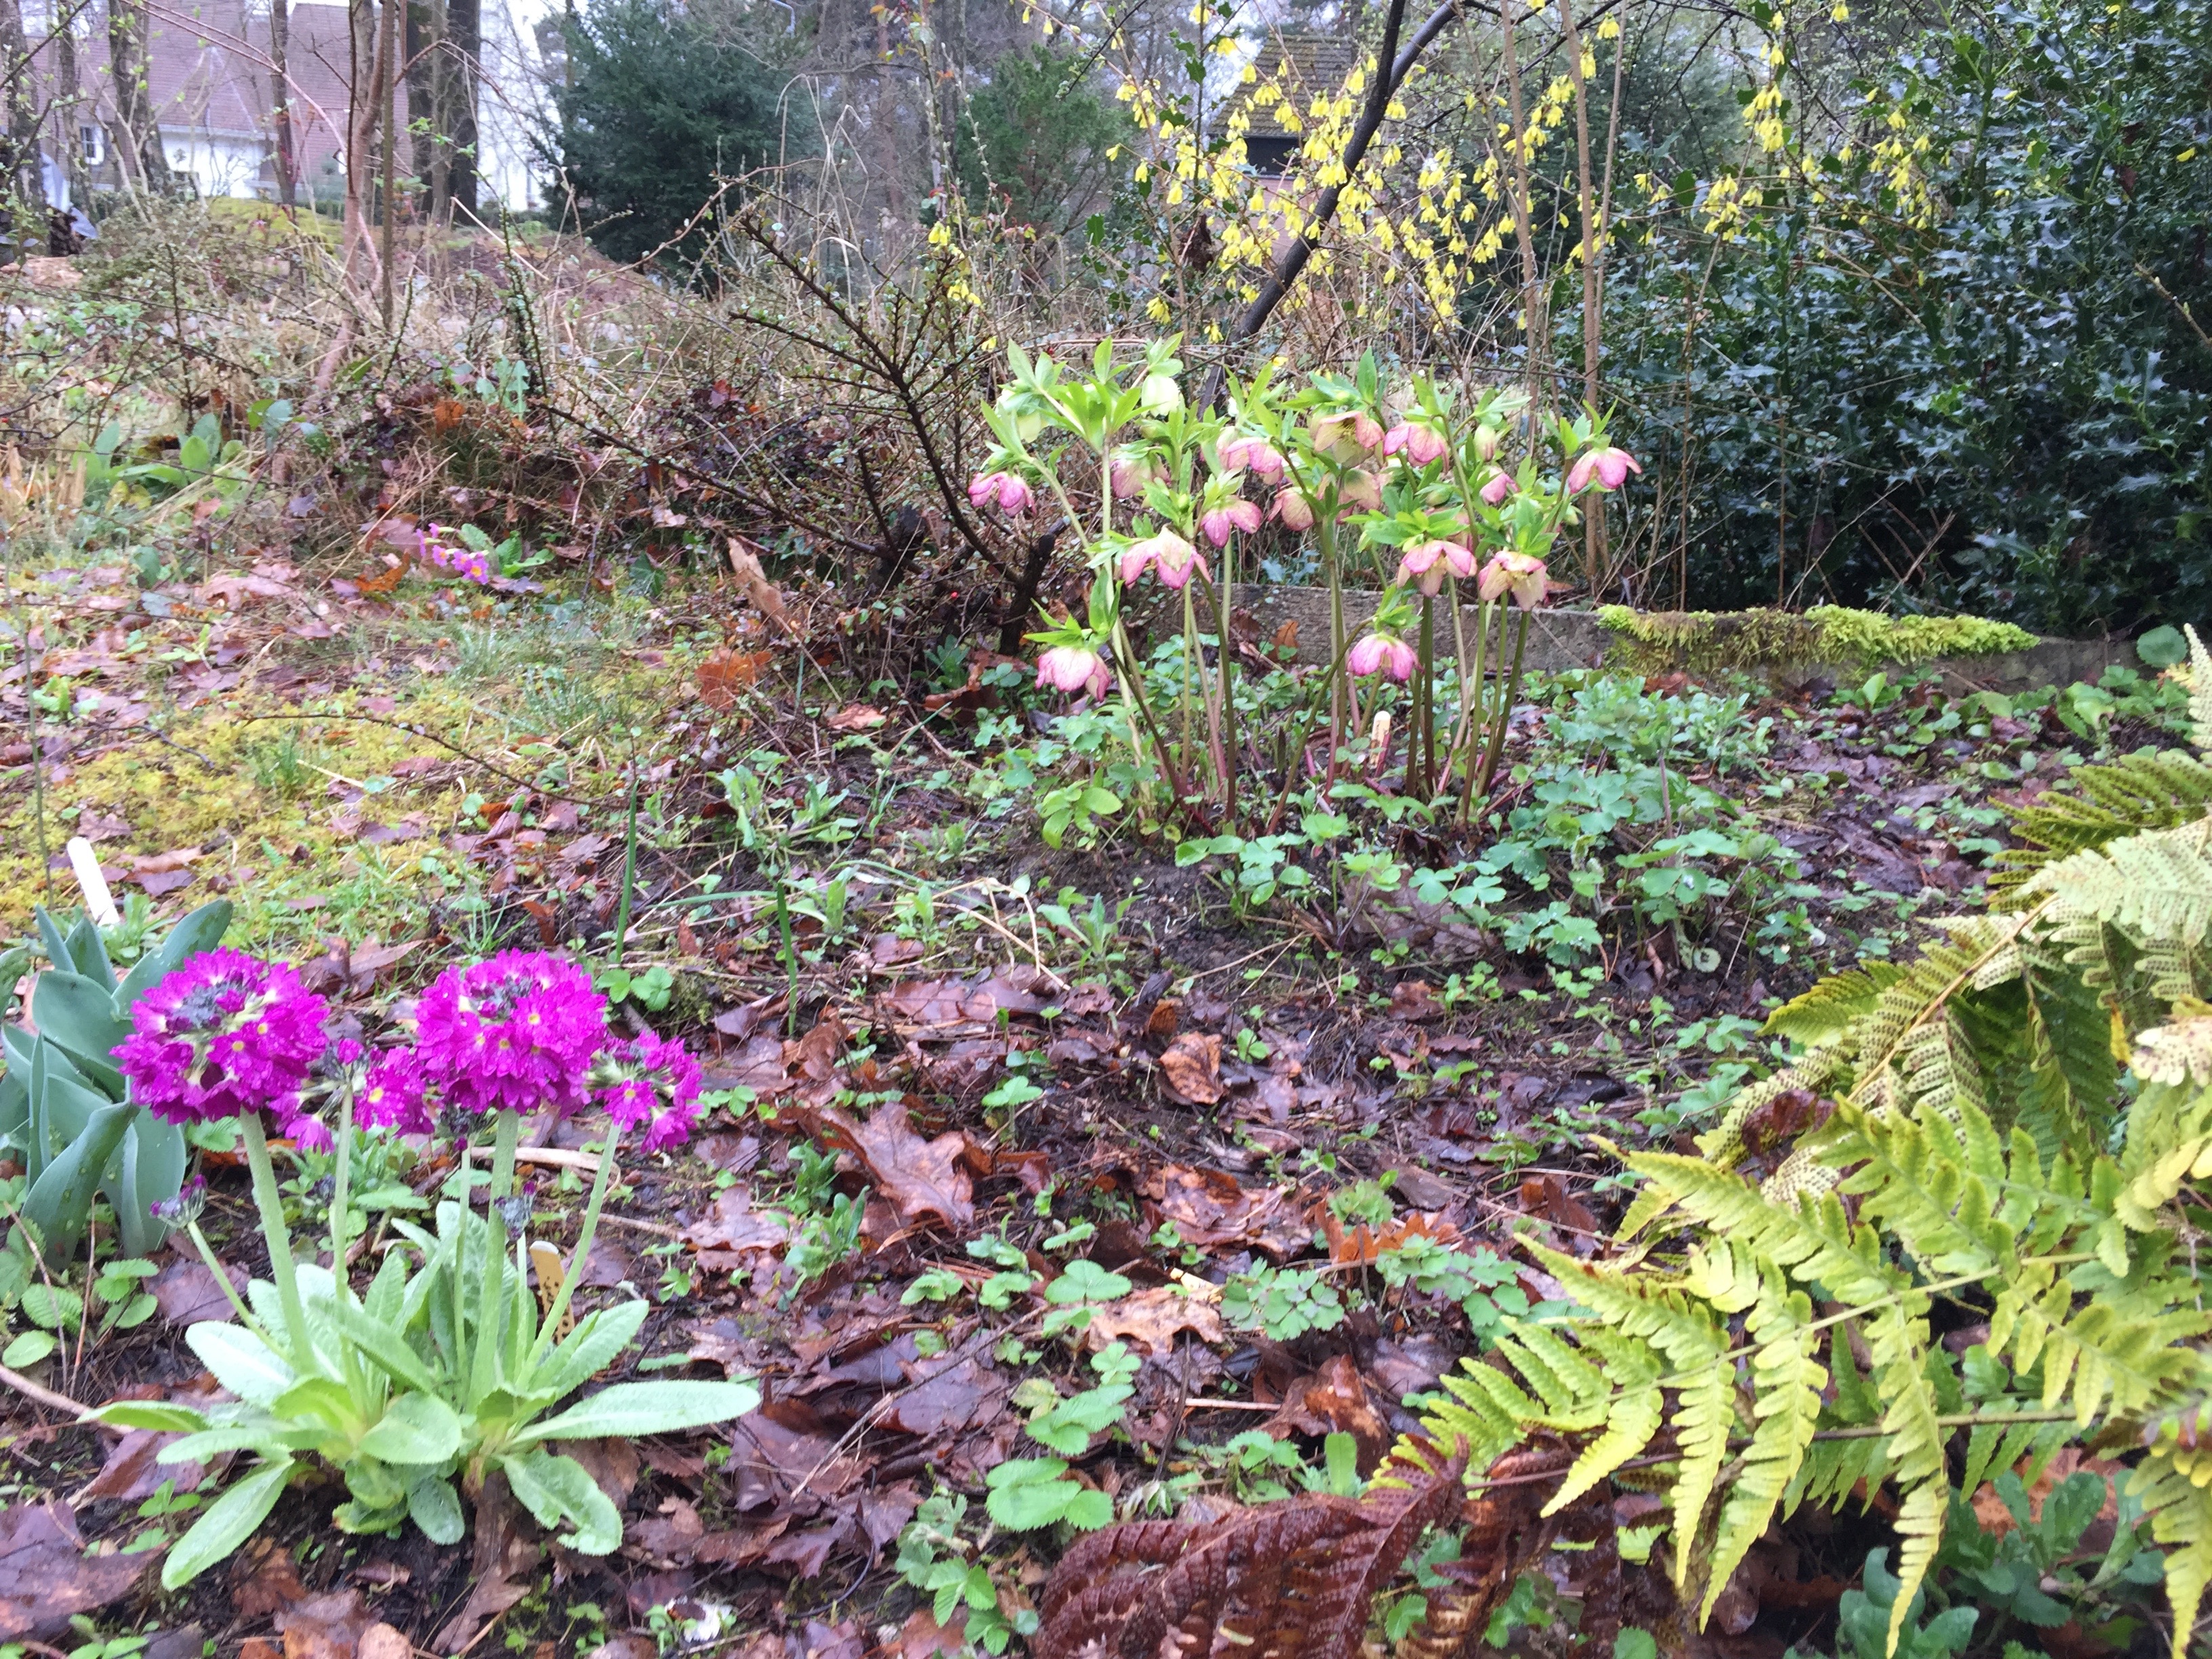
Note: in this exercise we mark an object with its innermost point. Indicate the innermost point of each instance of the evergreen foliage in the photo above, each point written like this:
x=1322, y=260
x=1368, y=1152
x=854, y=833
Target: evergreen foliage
x=660, y=105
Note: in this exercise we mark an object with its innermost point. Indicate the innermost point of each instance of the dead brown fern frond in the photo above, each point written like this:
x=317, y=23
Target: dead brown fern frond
x=1288, y=1580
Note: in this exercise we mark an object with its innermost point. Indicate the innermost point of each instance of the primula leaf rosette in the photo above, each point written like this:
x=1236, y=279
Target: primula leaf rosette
x=225, y=1035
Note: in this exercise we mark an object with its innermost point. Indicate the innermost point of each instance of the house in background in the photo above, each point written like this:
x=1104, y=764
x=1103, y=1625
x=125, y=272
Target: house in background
x=212, y=91
x=1305, y=67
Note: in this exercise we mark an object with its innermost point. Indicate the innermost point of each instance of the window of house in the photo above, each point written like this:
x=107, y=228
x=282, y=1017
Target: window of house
x=93, y=143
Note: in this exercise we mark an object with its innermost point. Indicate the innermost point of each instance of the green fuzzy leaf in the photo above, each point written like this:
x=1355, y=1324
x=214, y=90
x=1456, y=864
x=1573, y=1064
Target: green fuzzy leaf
x=415, y=1428
x=229, y=1523
x=434, y=1507
x=557, y=1489
x=241, y=1362
x=629, y=1409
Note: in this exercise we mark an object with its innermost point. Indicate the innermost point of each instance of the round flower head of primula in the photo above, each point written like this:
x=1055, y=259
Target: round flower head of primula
x=225, y=1034
x=516, y=1031
x=395, y=1095
x=655, y=1082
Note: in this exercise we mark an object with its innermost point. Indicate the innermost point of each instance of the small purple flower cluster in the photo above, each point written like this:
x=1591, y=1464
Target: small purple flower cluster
x=224, y=1035
x=442, y=547
x=227, y=1034
x=522, y=1030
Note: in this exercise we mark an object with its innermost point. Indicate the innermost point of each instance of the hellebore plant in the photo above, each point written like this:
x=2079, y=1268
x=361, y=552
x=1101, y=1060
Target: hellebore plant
x=445, y=1366
x=1409, y=479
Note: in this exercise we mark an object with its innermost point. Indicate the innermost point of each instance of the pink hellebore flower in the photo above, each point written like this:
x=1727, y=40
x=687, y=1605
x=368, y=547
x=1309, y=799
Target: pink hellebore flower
x=1292, y=507
x=1240, y=452
x=1129, y=472
x=1610, y=466
x=1427, y=562
x=1352, y=431
x=1379, y=653
x=1216, y=522
x=1360, y=490
x=1499, y=485
x=1419, y=444
x=1073, y=668
x=1166, y=553
x=1012, y=493
x=1524, y=577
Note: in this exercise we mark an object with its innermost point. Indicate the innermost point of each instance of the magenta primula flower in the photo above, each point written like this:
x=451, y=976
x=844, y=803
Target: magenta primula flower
x=225, y=1034
x=395, y=1095
x=517, y=1031
x=1073, y=668
x=1380, y=653
x=1610, y=467
x=657, y=1083
x=455, y=556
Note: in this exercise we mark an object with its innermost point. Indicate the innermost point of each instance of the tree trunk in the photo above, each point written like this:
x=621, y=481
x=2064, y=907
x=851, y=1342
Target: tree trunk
x=68, y=117
x=364, y=97
x=280, y=102
x=429, y=105
x=134, y=98
x=463, y=50
x=25, y=183
x=388, y=69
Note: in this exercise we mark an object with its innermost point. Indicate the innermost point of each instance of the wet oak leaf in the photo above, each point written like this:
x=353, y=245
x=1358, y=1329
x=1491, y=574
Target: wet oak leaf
x=46, y=1576
x=1192, y=1066
x=1151, y=1321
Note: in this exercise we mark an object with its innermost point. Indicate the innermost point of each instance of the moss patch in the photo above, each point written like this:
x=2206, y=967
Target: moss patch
x=1831, y=635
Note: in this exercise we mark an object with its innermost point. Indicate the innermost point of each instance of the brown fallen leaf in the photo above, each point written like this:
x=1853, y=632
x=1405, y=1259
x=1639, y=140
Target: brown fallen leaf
x=726, y=674
x=46, y=1576
x=731, y=1230
x=1210, y=1209
x=922, y=1637
x=1192, y=1066
x=1151, y=1319
x=328, y=1627
x=921, y=1179
x=857, y=717
x=185, y=1292
x=502, y=1565
x=760, y=592
x=264, y=1580
x=381, y=1641
x=1333, y=1400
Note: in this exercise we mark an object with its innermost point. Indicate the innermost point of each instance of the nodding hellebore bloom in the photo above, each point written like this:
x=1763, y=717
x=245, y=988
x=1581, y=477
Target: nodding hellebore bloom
x=1427, y=562
x=652, y=1080
x=1609, y=466
x=1131, y=468
x=1359, y=492
x=225, y=1035
x=1012, y=494
x=1293, y=508
x=1346, y=436
x=1417, y=443
x=516, y=1031
x=1240, y=451
x=1167, y=554
x=1520, y=573
x=1216, y=522
x=1497, y=486
x=1073, y=668
x=1380, y=653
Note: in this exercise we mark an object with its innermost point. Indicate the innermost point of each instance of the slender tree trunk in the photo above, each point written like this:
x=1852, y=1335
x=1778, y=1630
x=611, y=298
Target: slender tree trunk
x=388, y=85
x=364, y=97
x=1534, y=333
x=68, y=100
x=464, y=71
x=280, y=102
x=884, y=123
x=1594, y=555
x=134, y=98
x=24, y=182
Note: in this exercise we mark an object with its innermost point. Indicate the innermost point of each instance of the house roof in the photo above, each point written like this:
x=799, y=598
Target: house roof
x=1302, y=66
x=208, y=69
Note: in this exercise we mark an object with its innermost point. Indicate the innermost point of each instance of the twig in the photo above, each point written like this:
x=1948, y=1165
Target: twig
x=45, y=1396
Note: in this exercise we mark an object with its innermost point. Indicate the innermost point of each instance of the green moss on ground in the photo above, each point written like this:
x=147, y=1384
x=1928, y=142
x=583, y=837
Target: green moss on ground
x=1659, y=641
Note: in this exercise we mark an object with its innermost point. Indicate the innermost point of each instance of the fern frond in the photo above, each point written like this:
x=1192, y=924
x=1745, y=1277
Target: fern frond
x=2200, y=690
x=2095, y=807
x=2176, y=1052
x=1704, y=1415
x=1815, y=1241
x=1633, y=1420
x=1935, y=1181
x=2181, y=1519
x=1787, y=1384
x=1920, y=1535
x=2157, y=884
x=1723, y=1143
